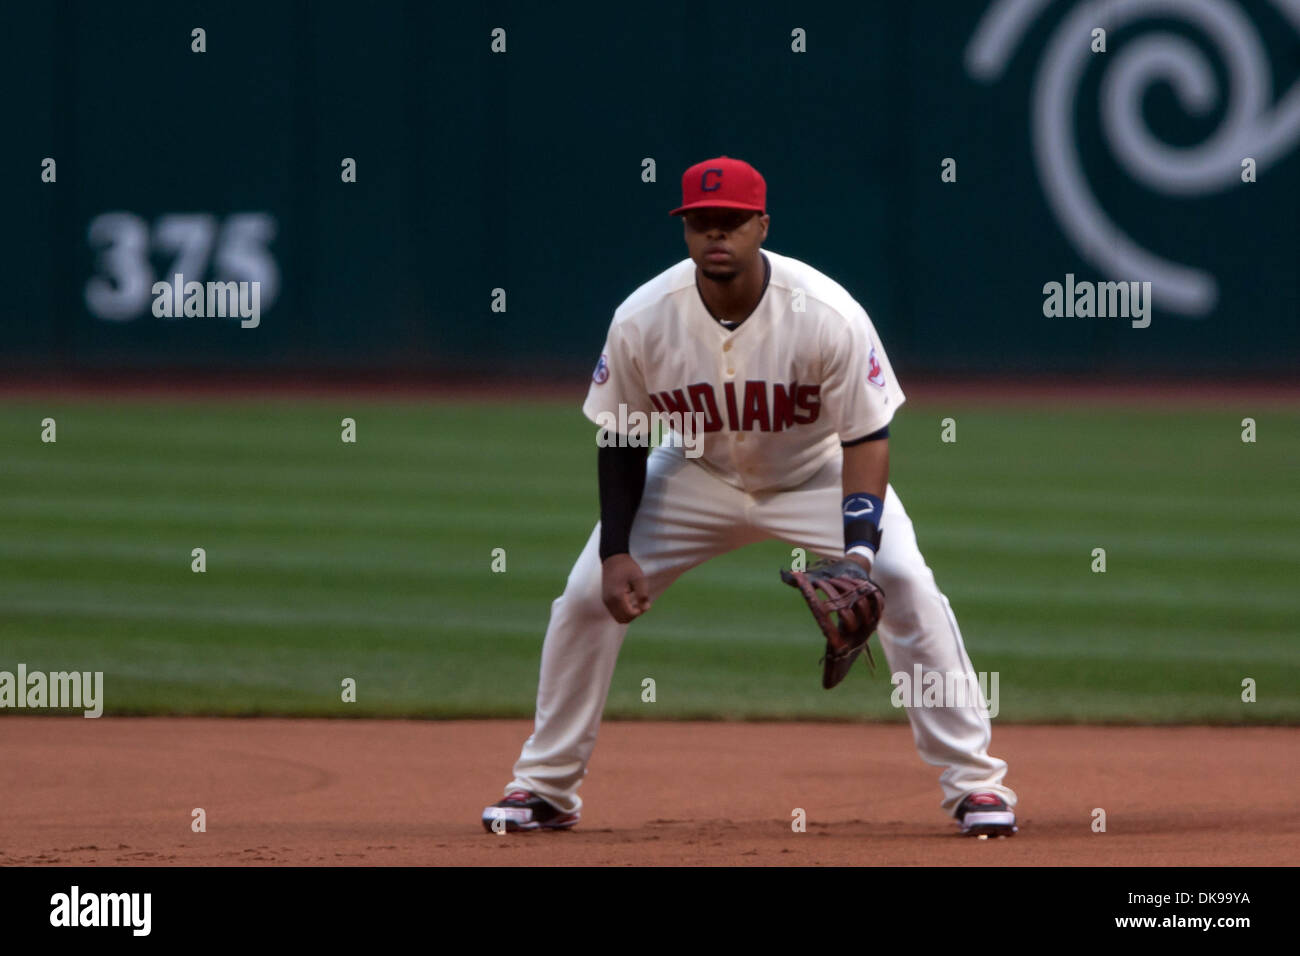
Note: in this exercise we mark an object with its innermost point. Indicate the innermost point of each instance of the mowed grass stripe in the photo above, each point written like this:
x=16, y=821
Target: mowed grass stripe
x=310, y=577
x=53, y=612
x=344, y=513
x=347, y=515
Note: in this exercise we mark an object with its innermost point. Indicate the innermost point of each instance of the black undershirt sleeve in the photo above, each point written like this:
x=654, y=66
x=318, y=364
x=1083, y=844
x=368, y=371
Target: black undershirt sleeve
x=620, y=475
x=874, y=436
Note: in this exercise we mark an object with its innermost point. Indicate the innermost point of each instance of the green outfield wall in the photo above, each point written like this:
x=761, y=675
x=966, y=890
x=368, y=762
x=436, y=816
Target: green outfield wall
x=546, y=169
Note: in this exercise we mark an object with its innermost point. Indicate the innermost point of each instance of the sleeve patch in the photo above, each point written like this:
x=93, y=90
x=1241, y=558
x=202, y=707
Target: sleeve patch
x=876, y=375
x=601, y=375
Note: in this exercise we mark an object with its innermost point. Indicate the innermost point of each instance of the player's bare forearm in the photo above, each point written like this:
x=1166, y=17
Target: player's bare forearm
x=865, y=476
x=866, y=468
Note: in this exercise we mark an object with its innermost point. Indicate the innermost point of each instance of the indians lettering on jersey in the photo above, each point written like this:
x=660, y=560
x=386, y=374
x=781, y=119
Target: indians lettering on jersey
x=778, y=395
x=755, y=407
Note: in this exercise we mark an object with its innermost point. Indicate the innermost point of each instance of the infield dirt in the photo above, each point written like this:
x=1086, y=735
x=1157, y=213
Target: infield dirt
x=381, y=792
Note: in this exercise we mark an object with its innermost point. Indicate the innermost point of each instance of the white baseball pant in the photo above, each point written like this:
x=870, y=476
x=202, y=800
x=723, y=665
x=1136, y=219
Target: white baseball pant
x=687, y=516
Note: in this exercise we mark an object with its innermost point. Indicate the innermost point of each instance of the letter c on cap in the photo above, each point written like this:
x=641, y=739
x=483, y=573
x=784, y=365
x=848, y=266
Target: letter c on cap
x=704, y=181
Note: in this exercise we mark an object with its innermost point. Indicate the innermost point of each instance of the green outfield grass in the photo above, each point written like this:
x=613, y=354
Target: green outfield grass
x=372, y=561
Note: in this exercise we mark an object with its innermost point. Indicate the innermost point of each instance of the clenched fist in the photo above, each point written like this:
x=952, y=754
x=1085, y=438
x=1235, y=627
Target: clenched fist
x=624, y=588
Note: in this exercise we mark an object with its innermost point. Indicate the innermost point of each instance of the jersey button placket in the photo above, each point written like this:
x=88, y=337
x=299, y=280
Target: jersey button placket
x=729, y=370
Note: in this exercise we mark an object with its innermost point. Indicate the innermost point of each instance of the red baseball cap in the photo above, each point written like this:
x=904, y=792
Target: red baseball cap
x=727, y=182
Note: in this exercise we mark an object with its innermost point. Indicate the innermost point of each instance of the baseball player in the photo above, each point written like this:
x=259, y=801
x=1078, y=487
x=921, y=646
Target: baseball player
x=784, y=374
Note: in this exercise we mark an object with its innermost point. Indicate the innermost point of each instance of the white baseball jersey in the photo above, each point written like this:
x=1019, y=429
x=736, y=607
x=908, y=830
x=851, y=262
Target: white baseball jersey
x=804, y=372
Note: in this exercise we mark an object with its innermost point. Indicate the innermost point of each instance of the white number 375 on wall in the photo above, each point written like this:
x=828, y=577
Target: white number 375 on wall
x=238, y=251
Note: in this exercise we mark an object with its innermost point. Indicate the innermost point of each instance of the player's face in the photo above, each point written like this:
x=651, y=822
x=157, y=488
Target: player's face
x=724, y=242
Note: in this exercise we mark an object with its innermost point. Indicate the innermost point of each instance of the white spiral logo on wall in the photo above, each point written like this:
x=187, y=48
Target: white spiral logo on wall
x=1252, y=125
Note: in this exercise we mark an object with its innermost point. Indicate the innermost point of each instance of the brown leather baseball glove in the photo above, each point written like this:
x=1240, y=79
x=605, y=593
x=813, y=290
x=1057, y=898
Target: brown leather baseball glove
x=854, y=598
